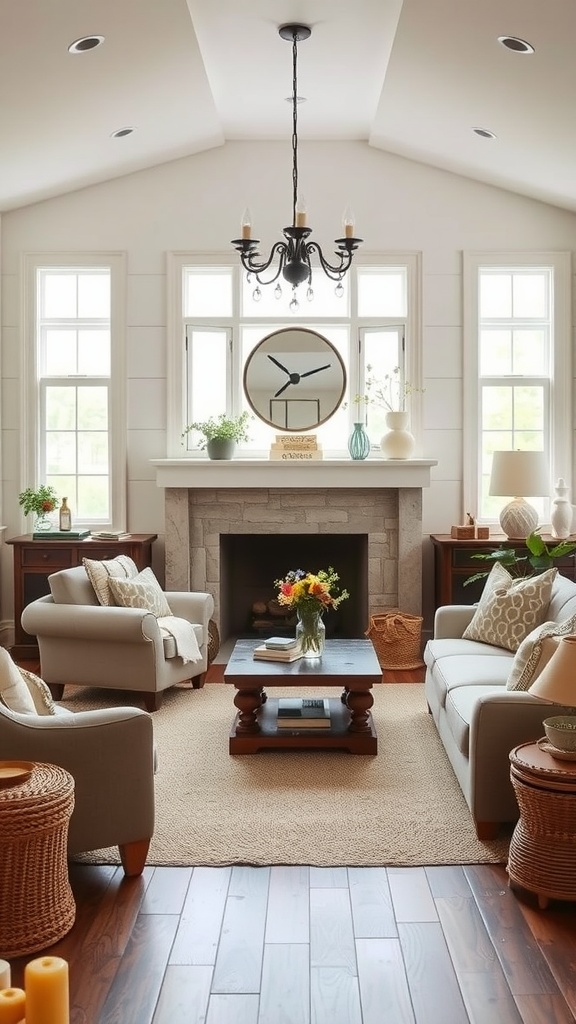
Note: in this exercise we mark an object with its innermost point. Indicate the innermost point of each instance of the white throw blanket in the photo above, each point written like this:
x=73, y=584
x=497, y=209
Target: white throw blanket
x=184, y=636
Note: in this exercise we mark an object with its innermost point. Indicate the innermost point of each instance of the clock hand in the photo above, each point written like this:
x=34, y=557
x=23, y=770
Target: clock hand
x=317, y=370
x=283, y=388
x=272, y=359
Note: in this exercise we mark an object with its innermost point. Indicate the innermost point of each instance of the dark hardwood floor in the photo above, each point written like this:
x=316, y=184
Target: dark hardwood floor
x=299, y=945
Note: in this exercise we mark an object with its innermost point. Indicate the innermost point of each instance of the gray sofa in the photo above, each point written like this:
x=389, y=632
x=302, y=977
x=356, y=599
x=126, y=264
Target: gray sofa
x=478, y=719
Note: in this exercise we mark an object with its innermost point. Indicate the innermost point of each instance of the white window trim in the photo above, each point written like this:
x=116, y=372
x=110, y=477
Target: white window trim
x=561, y=430
x=175, y=366
x=29, y=398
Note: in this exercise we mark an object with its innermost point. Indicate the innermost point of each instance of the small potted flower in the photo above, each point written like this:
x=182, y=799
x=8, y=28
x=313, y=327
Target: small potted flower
x=220, y=434
x=41, y=502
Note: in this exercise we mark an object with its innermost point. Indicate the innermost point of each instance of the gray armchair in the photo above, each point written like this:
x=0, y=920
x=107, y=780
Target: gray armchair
x=83, y=642
x=110, y=754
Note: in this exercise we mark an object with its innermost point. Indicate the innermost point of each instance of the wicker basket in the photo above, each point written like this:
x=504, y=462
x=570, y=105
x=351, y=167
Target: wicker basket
x=213, y=641
x=396, y=637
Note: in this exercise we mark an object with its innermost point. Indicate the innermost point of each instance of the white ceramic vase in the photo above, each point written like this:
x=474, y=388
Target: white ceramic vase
x=562, y=512
x=397, y=442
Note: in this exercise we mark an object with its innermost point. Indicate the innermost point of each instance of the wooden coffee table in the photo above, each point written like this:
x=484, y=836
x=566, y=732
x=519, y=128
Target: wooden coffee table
x=351, y=665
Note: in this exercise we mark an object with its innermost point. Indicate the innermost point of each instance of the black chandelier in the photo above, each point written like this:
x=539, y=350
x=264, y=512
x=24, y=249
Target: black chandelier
x=293, y=255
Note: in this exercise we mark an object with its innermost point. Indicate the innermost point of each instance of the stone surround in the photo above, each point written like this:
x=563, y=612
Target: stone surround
x=204, y=500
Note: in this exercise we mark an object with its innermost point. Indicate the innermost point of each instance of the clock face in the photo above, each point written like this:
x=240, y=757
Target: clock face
x=294, y=379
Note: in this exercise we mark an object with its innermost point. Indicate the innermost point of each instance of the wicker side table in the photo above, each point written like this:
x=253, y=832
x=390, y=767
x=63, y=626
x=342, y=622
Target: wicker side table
x=542, y=856
x=36, y=903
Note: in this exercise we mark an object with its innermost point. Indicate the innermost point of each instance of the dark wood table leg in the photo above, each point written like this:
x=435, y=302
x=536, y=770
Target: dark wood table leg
x=249, y=703
x=359, y=703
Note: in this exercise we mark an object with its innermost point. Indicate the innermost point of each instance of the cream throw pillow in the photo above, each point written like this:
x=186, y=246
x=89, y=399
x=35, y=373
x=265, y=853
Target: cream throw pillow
x=13, y=690
x=535, y=652
x=143, y=591
x=40, y=693
x=100, y=574
x=509, y=609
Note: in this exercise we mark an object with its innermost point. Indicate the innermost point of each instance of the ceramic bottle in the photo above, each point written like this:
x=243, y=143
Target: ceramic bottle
x=562, y=511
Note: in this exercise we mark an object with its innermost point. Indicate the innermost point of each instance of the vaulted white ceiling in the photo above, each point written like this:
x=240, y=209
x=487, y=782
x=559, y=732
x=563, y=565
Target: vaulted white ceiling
x=411, y=77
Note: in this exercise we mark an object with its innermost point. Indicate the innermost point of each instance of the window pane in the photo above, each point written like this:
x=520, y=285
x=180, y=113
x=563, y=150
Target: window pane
x=382, y=292
x=92, y=408
x=530, y=352
x=59, y=351
x=495, y=352
x=60, y=452
x=58, y=295
x=60, y=408
x=495, y=300
x=207, y=386
x=93, y=452
x=93, y=501
x=94, y=353
x=207, y=292
x=530, y=295
x=94, y=296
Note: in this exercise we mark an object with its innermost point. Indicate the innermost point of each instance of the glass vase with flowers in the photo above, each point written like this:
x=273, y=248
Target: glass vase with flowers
x=310, y=594
x=391, y=395
x=41, y=502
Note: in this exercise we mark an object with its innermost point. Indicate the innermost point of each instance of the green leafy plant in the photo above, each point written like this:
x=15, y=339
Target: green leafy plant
x=221, y=428
x=539, y=557
x=41, y=501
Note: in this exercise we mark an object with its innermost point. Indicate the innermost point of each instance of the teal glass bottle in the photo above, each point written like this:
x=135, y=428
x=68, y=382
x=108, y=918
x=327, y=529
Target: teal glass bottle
x=359, y=442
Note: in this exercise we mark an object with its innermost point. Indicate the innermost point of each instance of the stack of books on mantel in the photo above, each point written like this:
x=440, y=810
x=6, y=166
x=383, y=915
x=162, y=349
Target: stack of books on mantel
x=278, y=648
x=303, y=713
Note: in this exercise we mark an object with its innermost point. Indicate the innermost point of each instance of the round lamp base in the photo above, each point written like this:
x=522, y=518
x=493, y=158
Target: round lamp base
x=518, y=519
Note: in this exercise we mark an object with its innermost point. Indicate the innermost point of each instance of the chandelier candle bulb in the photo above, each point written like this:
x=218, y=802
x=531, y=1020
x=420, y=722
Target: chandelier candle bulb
x=46, y=987
x=246, y=225
x=12, y=1005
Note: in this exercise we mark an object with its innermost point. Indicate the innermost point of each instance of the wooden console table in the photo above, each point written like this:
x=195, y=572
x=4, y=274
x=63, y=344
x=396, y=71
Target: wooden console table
x=454, y=564
x=35, y=560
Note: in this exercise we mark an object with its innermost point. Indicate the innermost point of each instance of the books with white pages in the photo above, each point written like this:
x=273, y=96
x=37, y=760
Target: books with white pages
x=263, y=653
x=304, y=713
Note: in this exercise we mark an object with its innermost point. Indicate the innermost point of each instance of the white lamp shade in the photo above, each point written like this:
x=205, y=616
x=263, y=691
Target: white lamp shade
x=517, y=474
x=557, y=680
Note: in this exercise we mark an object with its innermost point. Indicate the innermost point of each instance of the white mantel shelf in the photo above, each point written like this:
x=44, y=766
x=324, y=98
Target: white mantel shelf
x=204, y=472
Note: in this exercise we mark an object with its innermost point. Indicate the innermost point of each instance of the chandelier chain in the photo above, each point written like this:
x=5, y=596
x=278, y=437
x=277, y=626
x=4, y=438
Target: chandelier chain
x=294, y=126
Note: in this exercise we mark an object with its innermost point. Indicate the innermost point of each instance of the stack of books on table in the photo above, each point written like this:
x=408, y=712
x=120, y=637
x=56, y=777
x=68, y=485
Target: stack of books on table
x=61, y=535
x=303, y=713
x=278, y=648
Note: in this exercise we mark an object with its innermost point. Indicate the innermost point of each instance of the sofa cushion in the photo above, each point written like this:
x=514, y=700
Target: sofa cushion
x=460, y=704
x=100, y=574
x=13, y=690
x=510, y=609
x=534, y=652
x=143, y=591
x=447, y=646
x=462, y=670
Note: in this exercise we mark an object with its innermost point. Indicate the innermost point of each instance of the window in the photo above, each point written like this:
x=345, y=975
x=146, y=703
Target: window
x=216, y=323
x=75, y=445
x=518, y=349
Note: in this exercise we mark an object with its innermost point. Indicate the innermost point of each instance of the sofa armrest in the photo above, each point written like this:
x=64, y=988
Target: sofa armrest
x=451, y=620
x=90, y=622
x=194, y=607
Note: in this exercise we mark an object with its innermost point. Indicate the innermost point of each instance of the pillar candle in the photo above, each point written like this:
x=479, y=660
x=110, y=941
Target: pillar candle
x=46, y=987
x=12, y=1005
x=5, y=976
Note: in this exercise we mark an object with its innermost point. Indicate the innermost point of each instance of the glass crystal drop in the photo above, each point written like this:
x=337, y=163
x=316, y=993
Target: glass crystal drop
x=310, y=293
x=248, y=277
x=294, y=304
x=257, y=294
x=277, y=292
x=339, y=290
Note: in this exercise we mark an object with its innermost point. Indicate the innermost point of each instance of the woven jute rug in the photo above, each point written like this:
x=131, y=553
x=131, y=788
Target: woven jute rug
x=402, y=806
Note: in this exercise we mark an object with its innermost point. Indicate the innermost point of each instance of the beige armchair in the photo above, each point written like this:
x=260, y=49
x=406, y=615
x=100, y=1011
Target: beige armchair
x=110, y=754
x=125, y=648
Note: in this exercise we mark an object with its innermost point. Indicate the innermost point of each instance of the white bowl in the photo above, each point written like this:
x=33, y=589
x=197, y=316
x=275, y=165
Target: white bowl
x=561, y=731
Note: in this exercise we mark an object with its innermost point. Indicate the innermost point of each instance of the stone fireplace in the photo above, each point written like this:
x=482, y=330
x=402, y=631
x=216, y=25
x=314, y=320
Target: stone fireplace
x=373, y=508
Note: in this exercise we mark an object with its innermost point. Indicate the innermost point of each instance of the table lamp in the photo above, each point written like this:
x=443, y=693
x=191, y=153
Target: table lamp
x=516, y=474
x=557, y=684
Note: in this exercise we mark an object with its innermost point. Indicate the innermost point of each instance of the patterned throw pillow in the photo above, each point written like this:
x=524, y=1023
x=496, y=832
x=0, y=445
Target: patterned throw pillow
x=535, y=652
x=511, y=610
x=100, y=574
x=143, y=591
x=39, y=692
x=14, y=693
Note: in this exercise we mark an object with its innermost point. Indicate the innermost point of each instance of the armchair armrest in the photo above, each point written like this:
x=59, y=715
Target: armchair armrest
x=89, y=622
x=451, y=620
x=195, y=607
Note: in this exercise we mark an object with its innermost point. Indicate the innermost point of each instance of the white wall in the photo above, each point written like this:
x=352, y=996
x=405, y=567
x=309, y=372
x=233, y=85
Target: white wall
x=195, y=204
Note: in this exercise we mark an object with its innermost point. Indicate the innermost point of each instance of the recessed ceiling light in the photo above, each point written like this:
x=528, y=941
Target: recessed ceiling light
x=518, y=45
x=121, y=132
x=484, y=133
x=85, y=43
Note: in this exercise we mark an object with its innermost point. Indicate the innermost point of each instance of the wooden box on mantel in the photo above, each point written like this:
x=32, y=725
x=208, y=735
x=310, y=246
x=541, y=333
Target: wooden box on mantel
x=470, y=532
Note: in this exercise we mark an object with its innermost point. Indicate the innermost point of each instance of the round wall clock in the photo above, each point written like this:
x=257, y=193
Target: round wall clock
x=294, y=379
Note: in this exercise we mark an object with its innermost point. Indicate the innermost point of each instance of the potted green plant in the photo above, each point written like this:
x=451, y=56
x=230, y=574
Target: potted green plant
x=41, y=502
x=539, y=557
x=220, y=434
